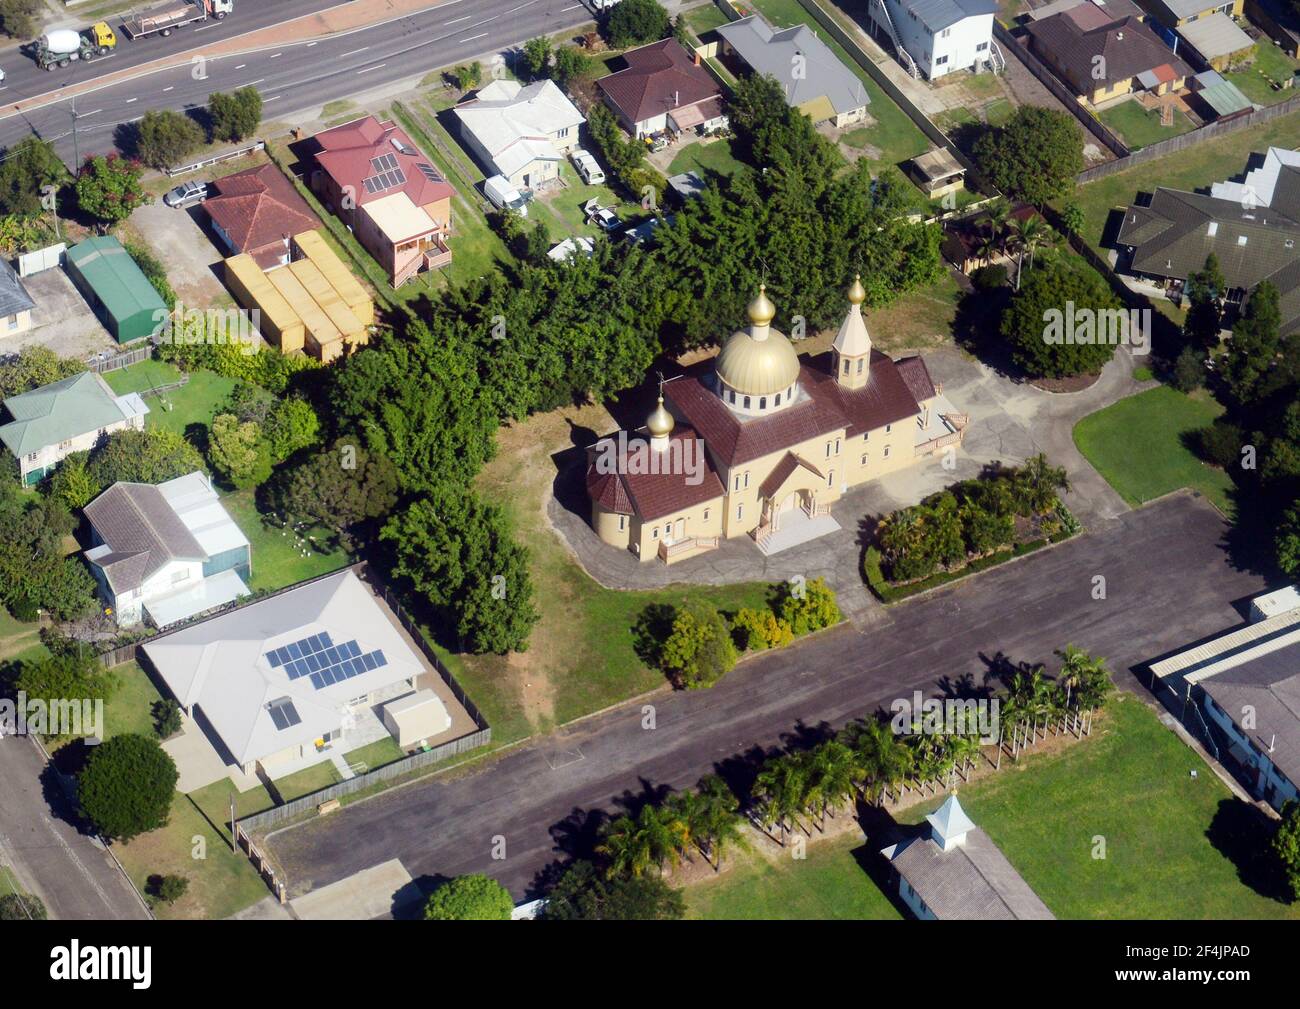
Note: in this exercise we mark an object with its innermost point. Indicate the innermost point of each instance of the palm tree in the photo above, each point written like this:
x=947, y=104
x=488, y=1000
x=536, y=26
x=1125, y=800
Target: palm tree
x=833, y=768
x=882, y=760
x=995, y=220
x=634, y=846
x=1088, y=677
x=780, y=789
x=1038, y=483
x=719, y=819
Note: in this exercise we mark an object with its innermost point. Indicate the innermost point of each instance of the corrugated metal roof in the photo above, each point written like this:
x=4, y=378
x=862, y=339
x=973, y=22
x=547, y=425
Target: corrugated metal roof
x=116, y=280
x=939, y=14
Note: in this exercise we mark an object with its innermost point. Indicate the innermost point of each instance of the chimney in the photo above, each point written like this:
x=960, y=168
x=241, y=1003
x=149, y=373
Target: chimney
x=697, y=57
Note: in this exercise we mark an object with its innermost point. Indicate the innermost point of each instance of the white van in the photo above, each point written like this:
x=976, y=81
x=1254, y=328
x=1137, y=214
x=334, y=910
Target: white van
x=588, y=167
x=504, y=196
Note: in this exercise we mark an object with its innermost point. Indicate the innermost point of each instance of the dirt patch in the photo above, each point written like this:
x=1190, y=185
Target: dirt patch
x=1074, y=383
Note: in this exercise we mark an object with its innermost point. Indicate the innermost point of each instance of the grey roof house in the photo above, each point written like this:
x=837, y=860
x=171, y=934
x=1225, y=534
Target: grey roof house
x=50, y=423
x=824, y=89
x=1253, y=227
x=954, y=871
x=15, y=303
x=166, y=552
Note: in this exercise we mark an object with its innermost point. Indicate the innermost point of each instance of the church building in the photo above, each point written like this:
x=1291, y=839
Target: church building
x=764, y=444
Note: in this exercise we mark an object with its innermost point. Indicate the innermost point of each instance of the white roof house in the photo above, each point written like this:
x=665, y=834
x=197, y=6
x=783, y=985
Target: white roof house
x=277, y=675
x=520, y=132
x=1261, y=184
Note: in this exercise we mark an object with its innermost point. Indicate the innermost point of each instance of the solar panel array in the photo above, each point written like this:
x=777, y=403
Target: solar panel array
x=283, y=713
x=384, y=163
x=385, y=180
x=322, y=661
x=429, y=172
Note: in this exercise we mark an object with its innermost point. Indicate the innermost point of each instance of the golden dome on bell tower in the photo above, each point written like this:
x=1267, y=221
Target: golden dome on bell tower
x=761, y=311
x=660, y=423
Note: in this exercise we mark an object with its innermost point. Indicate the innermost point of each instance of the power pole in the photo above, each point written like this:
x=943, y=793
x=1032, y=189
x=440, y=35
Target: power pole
x=76, y=151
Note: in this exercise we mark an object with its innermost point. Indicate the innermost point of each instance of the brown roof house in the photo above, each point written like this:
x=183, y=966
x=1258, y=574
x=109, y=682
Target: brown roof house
x=1101, y=57
x=763, y=444
x=257, y=211
x=663, y=88
x=954, y=871
x=371, y=174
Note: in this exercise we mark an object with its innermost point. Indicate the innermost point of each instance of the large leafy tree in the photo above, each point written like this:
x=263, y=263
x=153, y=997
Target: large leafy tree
x=34, y=573
x=109, y=189
x=127, y=786
x=699, y=650
x=1286, y=846
x=1044, y=322
x=457, y=552
x=166, y=137
x=1205, y=290
x=149, y=456
x=28, y=168
x=584, y=893
x=635, y=22
x=1248, y=367
x=1034, y=157
x=237, y=451
x=77, y=676
x=470, y=898
x=235, y=116
x=32, y=367
x=339, y=488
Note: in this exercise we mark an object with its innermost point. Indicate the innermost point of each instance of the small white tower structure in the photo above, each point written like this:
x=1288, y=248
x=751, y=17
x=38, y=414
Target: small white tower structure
x=949, y=824
x=660, y=425
x=851, y=351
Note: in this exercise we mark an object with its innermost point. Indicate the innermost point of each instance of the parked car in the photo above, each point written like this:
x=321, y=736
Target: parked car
x=187, y=194
x=588, y=167
x=601, y=217
x=504, y=196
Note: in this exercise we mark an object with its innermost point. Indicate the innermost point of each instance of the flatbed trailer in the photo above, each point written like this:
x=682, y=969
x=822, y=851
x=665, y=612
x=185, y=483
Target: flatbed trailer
x=165, y=19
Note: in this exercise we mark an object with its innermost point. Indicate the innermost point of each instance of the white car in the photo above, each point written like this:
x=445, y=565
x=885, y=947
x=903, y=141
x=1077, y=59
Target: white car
x=187, y=194
x=587, y=167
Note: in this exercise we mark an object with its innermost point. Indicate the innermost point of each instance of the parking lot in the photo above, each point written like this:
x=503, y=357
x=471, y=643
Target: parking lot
x=180, y=241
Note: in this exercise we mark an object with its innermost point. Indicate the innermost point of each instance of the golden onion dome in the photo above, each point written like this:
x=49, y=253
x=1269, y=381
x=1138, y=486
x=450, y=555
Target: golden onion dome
x=857, y=293
x=758, y=367
x=761, y=311
x=660, y=422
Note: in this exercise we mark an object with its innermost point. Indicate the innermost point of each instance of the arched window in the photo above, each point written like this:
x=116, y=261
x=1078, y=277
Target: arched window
x=778, y=400
x=746, y=402
x=762, y=402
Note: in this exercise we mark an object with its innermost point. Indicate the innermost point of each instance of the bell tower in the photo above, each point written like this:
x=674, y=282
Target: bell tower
x=851, y=351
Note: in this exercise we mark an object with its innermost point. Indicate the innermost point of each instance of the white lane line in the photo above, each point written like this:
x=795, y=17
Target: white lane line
x=83, y=115
x=473, y=38
x=354, y=52
x=251, y=83
x=275, y=55
x=130, y=100
x=375, y=67
x=573, y=8
x=271, y=99
x=448, y=24
x=241, y=66
x=521, y=6
x=205, y=28
x=169, y=87
x=310, y=44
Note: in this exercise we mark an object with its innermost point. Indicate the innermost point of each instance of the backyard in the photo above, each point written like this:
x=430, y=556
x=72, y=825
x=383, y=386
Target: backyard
x=1271, y=65
x=1170, y=839
x=1138, y=445
x=1140, y=127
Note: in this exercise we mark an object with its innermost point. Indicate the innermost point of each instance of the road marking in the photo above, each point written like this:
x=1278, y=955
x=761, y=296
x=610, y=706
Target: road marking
x=251, y=83
x=473, y=38
x=310, y=44
x=130, y=100
x=271, y=99
x=573, y=8
x=83, y=115
x=375, y=67
x=354, y=52
x=448, y=24
x=169, y=87
x=521, y=6
x=241, y=66
x=274, y=55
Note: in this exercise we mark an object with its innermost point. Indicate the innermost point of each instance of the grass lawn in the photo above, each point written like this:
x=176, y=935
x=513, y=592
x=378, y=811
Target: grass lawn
x=918, y=319
x=221, y=882
x=1271, y=64
x=214, y=802
x=376, y=754
x=829, y=884
x=706, y=156
x=1136, y=444
x=18, y=639
x=706, y=18
x=1130, y=783
x=8, y=883
x=278, y=553
x=998, y=111
x=894, y=134
x=130, y=709
x=308, y=780
x=1195, y=168
x=562, y=208
x=195, y=403
x=1141, y=127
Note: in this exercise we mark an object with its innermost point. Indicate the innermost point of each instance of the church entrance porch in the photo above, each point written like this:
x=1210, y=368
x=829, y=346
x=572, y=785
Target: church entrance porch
x=794, y=526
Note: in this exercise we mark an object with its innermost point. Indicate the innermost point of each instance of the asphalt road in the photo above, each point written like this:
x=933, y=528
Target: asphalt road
x=24, y=79
x=305, y=75
x=1168, y=583
x=76, y=879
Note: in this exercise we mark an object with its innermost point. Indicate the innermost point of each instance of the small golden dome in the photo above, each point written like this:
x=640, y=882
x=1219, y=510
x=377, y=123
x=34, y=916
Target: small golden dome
x=857, y=293
x=660, y=423
x=761, y=311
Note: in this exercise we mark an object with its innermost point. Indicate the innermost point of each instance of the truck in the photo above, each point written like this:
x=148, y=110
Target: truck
x=59, y=48
x=166, y=18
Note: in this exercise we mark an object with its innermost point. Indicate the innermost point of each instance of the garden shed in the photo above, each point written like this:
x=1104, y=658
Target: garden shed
x=120, y=295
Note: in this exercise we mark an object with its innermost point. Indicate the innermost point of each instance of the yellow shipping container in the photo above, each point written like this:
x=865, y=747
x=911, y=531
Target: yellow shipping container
x=278, y=321
x=311, y=245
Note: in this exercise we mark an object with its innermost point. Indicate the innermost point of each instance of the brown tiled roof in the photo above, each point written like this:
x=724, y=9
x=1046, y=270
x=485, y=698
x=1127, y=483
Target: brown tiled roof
x=1127, y=46
x=659, y=77
x=885, y=399
x=142, y=531
x=916, y=376
x=654, y=495
x=257, y=209
x=783, y=469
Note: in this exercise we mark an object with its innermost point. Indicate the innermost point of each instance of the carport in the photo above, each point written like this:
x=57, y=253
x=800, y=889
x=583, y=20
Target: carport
x=121, y=296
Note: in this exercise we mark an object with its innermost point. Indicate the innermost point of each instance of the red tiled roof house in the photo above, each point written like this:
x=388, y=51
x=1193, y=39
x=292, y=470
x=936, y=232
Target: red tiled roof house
x=662, y=88
x=388, y=192
x=257, y=211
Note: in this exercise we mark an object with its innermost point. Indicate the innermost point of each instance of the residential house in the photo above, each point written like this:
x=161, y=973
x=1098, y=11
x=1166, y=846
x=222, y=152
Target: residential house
x=256, y=212
x=952, y=870
x=815, y=81
x=15, y=303
x=938, y=173
x=387, y=191
x=1245, y=690
x=763, y=444
x=1218, y=39
x=1176, y=13
x=295, y=679
x=1252, y=226
x=1101, y=58
x=166, y=552
x=520, y=132
x=933, y=38
x=662, y=87
x=72, y=415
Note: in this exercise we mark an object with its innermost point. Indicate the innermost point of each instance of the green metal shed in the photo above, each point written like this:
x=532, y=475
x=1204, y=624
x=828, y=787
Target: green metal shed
x=122, y=297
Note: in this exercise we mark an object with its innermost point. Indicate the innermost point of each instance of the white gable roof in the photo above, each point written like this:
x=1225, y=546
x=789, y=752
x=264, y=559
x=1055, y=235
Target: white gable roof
x=514, y=123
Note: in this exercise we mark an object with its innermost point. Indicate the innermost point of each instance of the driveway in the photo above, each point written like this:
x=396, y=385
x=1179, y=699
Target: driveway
x=68, y=870
x=61, y=320
x=1168, y=582
x=1009, y=422
x=179, y=240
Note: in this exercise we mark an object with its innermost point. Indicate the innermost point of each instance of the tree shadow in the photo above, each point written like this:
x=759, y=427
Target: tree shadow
x=651, y=629
x=1241, y=832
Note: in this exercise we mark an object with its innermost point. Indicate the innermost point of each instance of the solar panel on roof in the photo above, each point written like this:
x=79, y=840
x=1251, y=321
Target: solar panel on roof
x=317, y=680
x=283, y=713
x=384, y=163
x=429, y=172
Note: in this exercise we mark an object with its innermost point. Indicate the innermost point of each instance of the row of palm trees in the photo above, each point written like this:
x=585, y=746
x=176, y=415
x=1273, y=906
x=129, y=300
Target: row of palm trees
x=865, y=762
